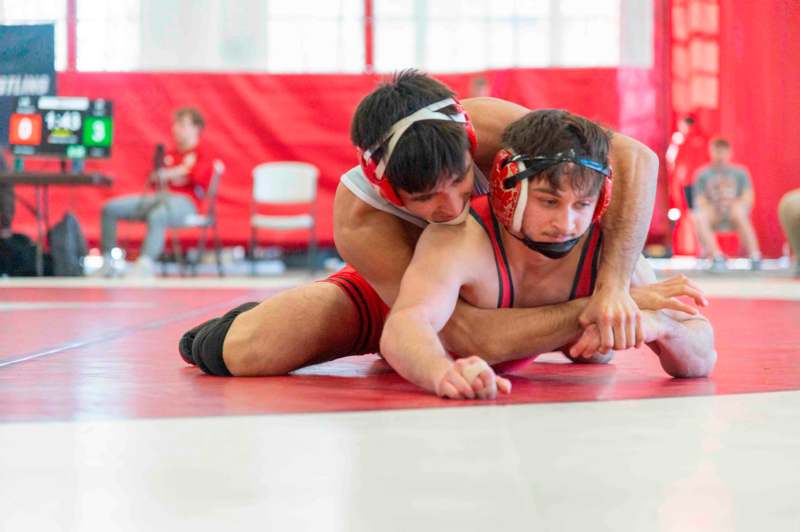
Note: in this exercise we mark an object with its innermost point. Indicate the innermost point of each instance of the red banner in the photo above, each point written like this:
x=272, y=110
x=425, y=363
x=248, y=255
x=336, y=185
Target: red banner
x=255, y=118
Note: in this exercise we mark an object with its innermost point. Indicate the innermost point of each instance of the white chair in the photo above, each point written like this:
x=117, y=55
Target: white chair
x=285, y=183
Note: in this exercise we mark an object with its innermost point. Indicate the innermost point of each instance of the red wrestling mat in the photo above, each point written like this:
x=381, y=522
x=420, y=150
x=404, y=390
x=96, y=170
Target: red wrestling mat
x=134, y=370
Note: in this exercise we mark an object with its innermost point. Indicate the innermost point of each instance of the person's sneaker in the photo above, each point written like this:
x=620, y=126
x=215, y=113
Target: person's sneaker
x=110, y=268
x=143, y=268
x=718, y=265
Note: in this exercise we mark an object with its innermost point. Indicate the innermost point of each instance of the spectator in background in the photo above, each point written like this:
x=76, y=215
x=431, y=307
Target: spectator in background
x=479, y=87
x=179, y=182
x=6, y=202
x=687, y=151
x=723, y=198
x=789, y=214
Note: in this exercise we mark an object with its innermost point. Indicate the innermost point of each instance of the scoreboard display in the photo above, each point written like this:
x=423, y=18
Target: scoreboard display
x=65, y=127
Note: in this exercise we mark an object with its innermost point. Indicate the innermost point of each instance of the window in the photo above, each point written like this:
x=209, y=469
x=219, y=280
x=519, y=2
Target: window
x=108, y=35
x=590, y=33
x=328, y=35
x=219, y=35
x=315, y=36
x=465, y=35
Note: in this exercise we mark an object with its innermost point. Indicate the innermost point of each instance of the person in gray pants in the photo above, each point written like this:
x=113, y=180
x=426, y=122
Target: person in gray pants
x=179, y=181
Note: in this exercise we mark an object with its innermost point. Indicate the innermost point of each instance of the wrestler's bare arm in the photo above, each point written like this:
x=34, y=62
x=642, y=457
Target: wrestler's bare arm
x=375, y=243
x=490, y=117
x=625, y=224
x=635, y=168
x=443, y=262
x=683, y=341
x=473, y=331
x=380, y=247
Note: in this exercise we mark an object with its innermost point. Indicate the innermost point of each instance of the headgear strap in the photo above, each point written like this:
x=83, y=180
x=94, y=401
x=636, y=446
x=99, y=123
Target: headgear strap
x=540, y=163
x=396, y=131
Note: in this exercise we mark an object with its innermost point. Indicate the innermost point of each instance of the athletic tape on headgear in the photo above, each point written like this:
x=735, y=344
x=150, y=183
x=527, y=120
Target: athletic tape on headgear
x=509, y=183
x=376, y=171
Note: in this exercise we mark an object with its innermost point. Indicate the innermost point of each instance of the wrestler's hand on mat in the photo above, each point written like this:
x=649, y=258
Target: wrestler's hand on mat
x=471, y=378
x=662, y=295
x=617, y=317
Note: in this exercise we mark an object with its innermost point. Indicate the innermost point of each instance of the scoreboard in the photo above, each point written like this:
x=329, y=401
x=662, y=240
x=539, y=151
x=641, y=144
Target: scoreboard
x=65, y=127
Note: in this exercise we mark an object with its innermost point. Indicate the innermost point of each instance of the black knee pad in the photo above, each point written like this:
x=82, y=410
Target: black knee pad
x=185, y=343
x=203, y=344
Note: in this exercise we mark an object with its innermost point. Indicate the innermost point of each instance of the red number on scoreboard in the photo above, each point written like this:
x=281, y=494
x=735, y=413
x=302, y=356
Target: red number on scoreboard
x=25, y=129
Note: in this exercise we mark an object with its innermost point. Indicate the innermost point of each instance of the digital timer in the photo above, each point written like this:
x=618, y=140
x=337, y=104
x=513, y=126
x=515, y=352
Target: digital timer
x=66, y=127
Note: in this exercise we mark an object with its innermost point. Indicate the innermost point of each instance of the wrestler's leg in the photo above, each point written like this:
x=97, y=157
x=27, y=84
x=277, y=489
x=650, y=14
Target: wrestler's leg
x=305, y=325
x=298, y=327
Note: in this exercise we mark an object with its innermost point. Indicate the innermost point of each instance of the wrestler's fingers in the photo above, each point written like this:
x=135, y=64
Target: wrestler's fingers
x=639, y=330
x=503, y=385
x=680, y=306
x=449, y=391
x=606, y=337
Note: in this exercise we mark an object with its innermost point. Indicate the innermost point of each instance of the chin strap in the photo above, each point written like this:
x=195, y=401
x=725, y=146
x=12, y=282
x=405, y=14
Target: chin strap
x=551, y=250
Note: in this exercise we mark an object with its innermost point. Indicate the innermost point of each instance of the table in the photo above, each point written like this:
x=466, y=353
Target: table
x=41, y=181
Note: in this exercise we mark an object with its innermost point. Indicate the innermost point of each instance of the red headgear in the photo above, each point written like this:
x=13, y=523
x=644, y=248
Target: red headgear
x=376, y=171
x=509, y=183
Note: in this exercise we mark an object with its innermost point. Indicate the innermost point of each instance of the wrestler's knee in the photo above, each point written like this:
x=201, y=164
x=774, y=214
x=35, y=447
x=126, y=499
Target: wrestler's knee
x=204, y=345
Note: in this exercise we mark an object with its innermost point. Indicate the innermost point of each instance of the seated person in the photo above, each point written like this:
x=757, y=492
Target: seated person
x=789, y=214
x=535, y=240
x=723, y=198
x=6, y=202
x=432, y=167
x=178, y=184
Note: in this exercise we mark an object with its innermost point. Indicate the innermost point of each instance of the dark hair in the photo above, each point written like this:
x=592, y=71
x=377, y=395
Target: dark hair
x=550, y=131
x=720, y=142
x=194, y=115
x=429, y=150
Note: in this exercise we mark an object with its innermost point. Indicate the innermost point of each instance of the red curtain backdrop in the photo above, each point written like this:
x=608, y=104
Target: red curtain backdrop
x=255, y=118
x=736, y=67
x=760, y=102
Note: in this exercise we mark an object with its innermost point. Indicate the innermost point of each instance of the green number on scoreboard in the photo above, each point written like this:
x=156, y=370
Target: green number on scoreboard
x=97, y=131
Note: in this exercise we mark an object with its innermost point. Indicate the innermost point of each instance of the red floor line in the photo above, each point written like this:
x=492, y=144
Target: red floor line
x=119, y=333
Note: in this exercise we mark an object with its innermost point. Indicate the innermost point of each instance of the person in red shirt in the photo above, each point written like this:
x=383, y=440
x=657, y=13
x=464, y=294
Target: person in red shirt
x=178, y=182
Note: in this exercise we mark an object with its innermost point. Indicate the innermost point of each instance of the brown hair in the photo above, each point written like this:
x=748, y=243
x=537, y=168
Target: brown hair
x=720, y=142
x=194, y=115
x=550, y=131
x=430, y=150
